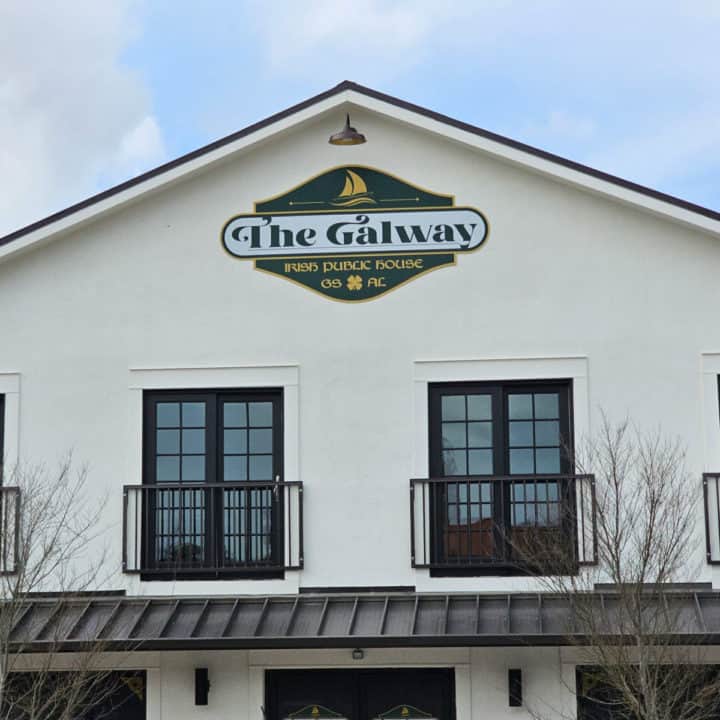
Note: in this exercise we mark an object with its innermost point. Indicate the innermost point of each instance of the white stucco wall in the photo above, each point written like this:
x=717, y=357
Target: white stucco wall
x=237, y=678
x=146, y=297
x=238, y=691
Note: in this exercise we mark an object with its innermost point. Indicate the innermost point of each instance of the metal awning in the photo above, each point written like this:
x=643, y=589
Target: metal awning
x=401, y=619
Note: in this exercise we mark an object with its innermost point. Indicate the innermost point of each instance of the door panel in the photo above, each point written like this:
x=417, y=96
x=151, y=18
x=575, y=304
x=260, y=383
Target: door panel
x=291, y=691
x=429, y=691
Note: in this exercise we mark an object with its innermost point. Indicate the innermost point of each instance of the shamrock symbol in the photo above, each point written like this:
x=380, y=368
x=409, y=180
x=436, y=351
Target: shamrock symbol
x=354, y=282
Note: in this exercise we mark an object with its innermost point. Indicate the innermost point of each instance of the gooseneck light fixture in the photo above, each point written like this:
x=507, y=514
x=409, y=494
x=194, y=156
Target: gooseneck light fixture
x=348, y=135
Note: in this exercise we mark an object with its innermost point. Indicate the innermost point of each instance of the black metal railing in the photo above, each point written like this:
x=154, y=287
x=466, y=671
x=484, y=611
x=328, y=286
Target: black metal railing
x=543, y=522
x=9, y=529
x=212, y=529
x=711, y=502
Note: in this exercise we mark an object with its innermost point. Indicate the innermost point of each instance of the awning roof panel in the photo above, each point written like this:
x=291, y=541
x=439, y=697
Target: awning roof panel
x=332, y=620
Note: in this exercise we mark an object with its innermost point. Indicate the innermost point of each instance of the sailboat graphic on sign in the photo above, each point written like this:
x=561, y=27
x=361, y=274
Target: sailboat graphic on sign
x=354, y=191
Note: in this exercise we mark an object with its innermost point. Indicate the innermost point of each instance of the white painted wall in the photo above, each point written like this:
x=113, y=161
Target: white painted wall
x=88, y=320
x=238, y=679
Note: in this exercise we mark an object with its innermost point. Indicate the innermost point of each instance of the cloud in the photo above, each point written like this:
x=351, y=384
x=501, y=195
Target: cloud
x=362, y=38
x=70, y=111
x=140, y=146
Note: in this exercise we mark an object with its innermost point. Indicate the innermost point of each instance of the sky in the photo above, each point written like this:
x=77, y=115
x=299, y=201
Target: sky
x=94, y=92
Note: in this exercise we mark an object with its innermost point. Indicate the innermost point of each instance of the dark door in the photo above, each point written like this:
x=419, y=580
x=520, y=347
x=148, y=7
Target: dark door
x=360, y=694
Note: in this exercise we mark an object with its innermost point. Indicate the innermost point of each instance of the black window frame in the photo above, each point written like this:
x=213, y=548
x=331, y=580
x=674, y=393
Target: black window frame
x=499, y=390
x=214, y=473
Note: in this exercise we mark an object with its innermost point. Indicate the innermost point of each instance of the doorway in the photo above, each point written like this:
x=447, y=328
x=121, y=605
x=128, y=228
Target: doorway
x=397, y=694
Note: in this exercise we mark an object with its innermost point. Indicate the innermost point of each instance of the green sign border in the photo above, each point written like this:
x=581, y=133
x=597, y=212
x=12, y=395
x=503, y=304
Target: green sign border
x=354, y=277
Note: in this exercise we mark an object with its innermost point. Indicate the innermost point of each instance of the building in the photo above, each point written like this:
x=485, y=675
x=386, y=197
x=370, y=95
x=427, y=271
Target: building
x=263, y=352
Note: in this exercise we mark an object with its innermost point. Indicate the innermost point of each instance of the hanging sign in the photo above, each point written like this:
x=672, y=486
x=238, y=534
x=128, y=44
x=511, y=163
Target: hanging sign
x=353, y=233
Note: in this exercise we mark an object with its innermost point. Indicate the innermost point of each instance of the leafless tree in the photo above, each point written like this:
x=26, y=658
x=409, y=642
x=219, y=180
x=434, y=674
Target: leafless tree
x=627, y=612
x=50, y=532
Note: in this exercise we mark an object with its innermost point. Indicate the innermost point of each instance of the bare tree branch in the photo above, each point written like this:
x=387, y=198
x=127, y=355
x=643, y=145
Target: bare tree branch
x=60, y=551
x=626, y=611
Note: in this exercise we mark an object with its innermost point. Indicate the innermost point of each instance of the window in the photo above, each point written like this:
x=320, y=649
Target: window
x=508, y=446
x=212, y=462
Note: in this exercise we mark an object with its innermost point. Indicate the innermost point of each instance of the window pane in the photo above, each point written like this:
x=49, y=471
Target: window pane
x=520, y=407
x=479, y=407
x=521, y=434
x=480, y=462
x=453, y=407
x=235, y=468
x=193, y=468
x=463, y=492
x=453, y=435
x=546, y=405
x=193, y=441
x=193, y=414
x=168, y=469
x=454, y=462
x=547, y=460
x=462, y=515
x=235, y=414
x=521, y=462
x=168, y=442
x=261, y=467
x=547, y=432
x=480, y=434
x=168, y=414
x=260, y=414
x=235, y=441
x=261, y=441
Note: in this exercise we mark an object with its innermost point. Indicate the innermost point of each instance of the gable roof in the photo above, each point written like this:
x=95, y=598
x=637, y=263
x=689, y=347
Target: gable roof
x=351, y=92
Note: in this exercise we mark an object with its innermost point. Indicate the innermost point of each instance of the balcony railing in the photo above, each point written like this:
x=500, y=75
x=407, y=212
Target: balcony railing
x=505, y=524
x=212, y=529
x=711, y=498
x=9, y=529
